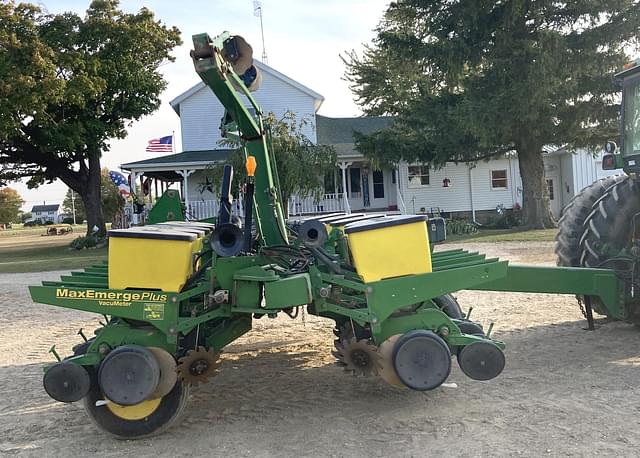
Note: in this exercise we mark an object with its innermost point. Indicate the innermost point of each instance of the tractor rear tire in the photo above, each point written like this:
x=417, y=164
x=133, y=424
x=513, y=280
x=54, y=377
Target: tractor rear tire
x=609, y=230
x=572, y=226
x=574, y=215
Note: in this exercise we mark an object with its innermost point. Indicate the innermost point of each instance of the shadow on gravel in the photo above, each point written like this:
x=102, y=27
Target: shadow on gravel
x=551, y=370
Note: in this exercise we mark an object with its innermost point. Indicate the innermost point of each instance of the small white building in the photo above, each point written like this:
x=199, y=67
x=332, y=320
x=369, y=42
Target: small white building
x=472, y=191
x=44, y=213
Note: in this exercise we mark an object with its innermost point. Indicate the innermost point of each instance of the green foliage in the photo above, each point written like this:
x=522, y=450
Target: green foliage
x=68, y=84
x=473, y=80
x=10, y=203
x=110, y=199
x=301, y=164
x=88, y=241
x=460, y=227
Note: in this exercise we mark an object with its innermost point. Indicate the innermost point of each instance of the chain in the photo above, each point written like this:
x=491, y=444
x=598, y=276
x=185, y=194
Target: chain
x=582, y=310
x=304, y=316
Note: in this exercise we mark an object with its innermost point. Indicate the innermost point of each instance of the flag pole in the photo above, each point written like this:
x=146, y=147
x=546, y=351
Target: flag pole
x=173, y=141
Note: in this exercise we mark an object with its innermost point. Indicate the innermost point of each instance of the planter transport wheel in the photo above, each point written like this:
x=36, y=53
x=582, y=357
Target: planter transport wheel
x=133, y=422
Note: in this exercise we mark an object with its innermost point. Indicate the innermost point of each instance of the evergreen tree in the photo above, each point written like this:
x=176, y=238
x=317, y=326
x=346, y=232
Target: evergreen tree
x=471, y=80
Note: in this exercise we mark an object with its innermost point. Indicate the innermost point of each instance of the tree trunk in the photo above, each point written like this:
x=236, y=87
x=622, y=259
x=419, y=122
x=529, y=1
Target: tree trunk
x=536, y=207
x=91, y=199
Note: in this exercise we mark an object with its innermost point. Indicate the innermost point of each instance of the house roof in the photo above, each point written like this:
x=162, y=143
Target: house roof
x=185, y=158
x=45, y=208
x=175, y=103
x=332, y=131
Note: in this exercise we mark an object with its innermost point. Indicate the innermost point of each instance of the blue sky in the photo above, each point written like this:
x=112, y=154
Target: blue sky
x=303, y=39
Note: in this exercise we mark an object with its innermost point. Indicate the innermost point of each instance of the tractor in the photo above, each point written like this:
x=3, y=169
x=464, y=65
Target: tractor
x=175, y=293
x=598, y=226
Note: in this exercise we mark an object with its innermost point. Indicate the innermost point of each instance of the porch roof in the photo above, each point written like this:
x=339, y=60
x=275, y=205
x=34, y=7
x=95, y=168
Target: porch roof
x=179, y=161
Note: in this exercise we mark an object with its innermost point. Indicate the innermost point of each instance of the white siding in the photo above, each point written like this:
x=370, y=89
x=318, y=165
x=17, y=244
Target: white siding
x=200, y=114
x=588, y=169
x=457, y=196
x=567, y=184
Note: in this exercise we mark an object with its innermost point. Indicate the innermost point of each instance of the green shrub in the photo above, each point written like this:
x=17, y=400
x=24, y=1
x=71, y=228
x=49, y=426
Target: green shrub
x=88, y=241
x=461, y=227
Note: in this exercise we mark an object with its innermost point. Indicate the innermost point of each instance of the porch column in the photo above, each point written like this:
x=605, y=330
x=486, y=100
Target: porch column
x=134, y=216
x=185, y=181
x=343, y=166
x=399, y=197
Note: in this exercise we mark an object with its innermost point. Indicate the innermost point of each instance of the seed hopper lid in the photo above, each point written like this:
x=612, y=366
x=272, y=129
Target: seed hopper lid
x=148, y=233
x=380, y=223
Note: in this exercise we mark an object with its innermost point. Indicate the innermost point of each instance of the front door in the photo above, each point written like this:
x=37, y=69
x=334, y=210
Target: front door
x=379, y=191
x=554, y=198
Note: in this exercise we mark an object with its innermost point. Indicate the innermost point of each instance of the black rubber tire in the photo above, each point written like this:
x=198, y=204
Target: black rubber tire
x=427, y=370
x=574, y=214
x=469, y=327
x=572, y=226
x=450, y=306
x=167, y=412
x=608, y=230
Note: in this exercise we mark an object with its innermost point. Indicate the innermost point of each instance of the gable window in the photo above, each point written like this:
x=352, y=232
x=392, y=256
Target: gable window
x=499, y=179
x=418, y=176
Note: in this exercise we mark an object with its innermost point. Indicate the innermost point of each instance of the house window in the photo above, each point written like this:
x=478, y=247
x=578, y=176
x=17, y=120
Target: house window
x=499, y=179
x=329, y=182
x=378, y=184
x=550, y=188
x=355, y=188
x=418, y=176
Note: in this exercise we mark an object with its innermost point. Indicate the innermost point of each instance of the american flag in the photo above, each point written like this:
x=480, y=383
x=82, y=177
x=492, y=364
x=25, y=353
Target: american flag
x=121, y=182
x=161, y=145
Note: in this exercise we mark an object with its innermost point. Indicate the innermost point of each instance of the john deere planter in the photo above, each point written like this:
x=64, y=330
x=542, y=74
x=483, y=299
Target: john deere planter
x=175, y=292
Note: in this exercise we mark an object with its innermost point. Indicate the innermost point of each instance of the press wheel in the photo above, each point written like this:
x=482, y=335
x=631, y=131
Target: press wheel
x=140, y=420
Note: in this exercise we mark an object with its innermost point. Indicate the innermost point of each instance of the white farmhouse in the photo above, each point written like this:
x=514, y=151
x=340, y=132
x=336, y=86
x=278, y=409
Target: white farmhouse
x=44, y=213
x=472, y=191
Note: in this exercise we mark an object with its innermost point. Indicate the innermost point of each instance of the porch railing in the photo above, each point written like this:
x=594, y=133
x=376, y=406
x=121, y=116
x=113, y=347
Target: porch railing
x=328, y=203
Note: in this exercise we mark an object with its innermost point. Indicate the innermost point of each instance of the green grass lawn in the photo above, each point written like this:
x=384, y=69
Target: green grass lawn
x=20, y=231
x=506, y=235
x=38, y=254
x=27, y=250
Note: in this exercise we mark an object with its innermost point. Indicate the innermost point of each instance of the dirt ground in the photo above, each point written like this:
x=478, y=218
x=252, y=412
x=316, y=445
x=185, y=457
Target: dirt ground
x=564, y=392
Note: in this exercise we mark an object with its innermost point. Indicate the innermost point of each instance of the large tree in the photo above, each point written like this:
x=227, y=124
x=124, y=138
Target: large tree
x=68, y=84
x=10, y=203
x=301, y=164
x=470, y=80
x=110, y=199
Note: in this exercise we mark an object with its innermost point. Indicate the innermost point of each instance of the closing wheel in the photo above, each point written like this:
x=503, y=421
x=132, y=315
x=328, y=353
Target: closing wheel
x=422, y=360
x=140, y=420
x=481, y=360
